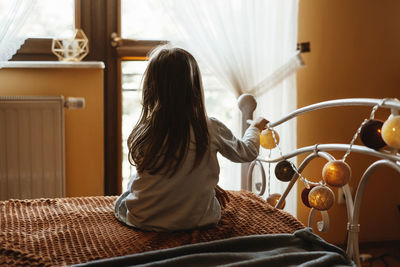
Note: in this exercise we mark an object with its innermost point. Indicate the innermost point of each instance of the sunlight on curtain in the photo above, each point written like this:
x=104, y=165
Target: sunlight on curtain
x=246, y=43
x=13, y=15
x=51, y=19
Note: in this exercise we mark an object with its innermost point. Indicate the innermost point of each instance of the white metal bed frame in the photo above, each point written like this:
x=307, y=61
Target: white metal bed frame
x=386, y=158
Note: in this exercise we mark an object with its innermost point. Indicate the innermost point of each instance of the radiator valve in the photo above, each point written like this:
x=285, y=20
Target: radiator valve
x=74, y=103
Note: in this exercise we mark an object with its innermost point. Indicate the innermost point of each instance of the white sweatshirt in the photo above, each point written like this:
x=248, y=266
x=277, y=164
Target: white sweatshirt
x=187, y=199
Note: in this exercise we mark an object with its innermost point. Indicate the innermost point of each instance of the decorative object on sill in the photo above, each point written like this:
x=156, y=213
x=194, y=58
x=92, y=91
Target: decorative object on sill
x=74, y=48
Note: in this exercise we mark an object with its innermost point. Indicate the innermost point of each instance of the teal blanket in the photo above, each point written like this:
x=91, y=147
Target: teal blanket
x=302, y=248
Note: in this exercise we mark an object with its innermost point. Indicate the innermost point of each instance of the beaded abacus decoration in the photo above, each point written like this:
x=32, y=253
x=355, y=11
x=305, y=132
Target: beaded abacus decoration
x=336, y=173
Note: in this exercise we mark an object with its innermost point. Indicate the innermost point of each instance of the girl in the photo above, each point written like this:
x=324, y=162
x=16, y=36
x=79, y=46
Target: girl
x=174, y=147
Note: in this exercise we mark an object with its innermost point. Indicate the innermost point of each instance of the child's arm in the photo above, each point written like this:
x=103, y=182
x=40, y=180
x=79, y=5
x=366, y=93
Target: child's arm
x=239, y=150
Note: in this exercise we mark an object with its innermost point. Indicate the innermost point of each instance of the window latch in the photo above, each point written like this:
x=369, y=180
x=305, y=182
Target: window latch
x=116, y=40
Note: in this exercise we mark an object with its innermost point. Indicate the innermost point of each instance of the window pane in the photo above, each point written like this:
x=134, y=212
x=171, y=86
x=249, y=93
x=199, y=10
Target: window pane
x=138, y=21
x=132, y=72
x=51, y=19
x=218, y=104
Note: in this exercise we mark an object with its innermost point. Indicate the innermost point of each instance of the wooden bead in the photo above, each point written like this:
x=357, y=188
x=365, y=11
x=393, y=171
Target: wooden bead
x=391, y=131
x=267, y=140
x=284, y=171
x=305, y=193
x=371, y=136
x=273, y=199
x=336, y=173
x=321, y=197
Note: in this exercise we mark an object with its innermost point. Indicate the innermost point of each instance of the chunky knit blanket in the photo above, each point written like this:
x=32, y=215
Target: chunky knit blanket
x=65, y=231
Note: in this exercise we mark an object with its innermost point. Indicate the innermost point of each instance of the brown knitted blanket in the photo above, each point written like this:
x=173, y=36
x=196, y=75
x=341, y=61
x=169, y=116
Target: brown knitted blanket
x=64, y=231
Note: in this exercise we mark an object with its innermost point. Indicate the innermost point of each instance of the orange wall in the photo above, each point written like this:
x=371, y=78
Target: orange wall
x=84, y=128
x=355, y=52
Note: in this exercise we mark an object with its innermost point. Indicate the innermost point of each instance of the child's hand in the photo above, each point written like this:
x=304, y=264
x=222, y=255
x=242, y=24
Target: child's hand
x=260, y=123
x=222, y=196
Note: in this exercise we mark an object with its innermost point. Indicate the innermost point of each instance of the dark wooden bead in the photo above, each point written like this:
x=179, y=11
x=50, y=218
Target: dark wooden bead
x=304, y=195
x=284, y=171
x=371, y=134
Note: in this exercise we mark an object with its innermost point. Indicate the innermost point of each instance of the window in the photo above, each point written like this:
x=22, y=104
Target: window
x=139, y=22
x=50, y=19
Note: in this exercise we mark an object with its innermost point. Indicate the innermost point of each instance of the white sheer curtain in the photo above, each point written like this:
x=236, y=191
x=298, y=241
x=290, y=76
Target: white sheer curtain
x=13, y=14
x=247, y=44
x=250, y=47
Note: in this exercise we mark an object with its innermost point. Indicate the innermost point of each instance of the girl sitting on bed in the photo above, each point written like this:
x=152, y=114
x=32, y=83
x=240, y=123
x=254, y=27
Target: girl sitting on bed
x=174, y=147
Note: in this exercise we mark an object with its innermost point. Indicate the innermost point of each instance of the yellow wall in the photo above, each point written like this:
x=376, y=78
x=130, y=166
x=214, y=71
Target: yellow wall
x=355, y=52
x=84, y=129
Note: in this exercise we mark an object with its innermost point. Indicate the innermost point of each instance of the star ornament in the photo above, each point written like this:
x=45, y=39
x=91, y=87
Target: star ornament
x=71, y=49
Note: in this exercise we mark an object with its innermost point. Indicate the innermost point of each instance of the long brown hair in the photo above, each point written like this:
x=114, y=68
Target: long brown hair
x=173, y=104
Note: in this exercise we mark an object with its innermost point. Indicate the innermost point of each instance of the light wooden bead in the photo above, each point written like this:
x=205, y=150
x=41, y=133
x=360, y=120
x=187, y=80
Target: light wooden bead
x=336, y=173
x=273, y=200
x=321, y=197
x=267, y=140
x=391, y=132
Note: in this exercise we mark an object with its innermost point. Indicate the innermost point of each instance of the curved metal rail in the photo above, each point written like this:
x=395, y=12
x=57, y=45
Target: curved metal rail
x=250, y=176
x=387, y=158
x=393, y=104
x=353, y=226
x=335, y=147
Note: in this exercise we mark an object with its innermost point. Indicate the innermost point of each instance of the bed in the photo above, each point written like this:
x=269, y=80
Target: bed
x=68, y=231
x=65, y=231
x=82, y=231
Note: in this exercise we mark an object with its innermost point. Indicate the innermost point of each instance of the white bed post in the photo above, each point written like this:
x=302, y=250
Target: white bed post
x=247, y=104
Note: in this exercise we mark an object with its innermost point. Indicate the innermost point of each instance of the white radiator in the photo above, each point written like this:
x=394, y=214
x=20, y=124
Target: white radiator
x=31, y=147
